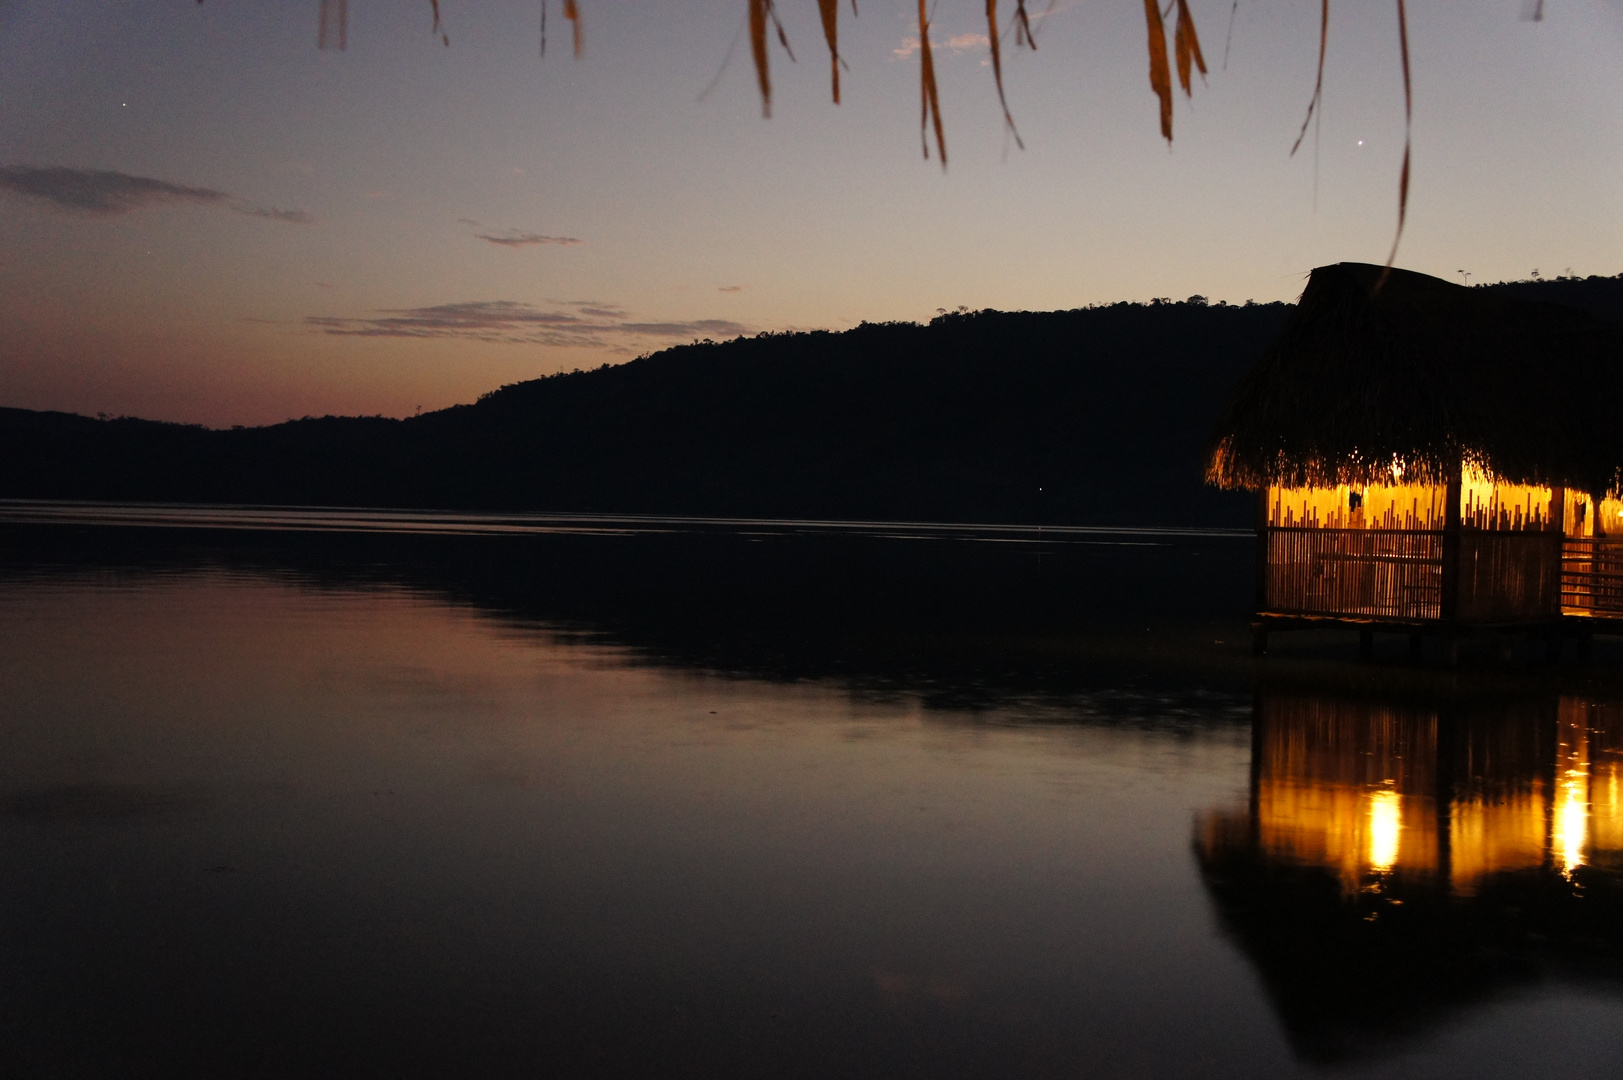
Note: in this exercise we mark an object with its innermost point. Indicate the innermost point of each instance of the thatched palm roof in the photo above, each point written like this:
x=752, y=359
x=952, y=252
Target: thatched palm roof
x=1427, y=373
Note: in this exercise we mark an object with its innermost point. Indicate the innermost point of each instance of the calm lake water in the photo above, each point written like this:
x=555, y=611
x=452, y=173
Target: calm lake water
x=631, y=798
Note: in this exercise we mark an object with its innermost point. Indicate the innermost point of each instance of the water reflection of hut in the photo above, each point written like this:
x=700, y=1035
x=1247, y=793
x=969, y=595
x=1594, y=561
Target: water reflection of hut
x=1396, y=861
x=1430, y=458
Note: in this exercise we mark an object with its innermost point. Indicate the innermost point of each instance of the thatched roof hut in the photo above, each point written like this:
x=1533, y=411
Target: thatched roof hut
x=1423, y=375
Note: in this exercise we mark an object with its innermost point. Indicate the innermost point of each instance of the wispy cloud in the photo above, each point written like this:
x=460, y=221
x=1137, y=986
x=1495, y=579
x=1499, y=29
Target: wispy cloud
x=730, y=288
x=106, y=193
x=515, y=239
x=578, y=325
x=100, y=191
x=707, y=327
x=957, y=45
x=271, y=213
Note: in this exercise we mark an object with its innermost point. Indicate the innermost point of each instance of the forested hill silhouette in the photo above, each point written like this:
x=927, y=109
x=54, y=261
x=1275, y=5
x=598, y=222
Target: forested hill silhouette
x=1094, y=416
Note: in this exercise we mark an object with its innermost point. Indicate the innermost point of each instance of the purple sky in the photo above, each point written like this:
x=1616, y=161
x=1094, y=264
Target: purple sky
x=205, y=218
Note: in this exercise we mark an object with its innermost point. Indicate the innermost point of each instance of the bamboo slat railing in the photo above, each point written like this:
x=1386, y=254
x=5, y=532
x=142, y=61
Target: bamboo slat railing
x=1592, y=577
x=1372, y=573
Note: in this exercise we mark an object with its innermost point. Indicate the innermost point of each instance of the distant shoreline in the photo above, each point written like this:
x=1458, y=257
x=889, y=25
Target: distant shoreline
x=271, y=518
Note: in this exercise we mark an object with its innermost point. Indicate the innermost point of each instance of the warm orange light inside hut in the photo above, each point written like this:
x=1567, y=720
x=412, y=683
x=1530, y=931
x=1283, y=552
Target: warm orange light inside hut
x=1373, y=506
x=1583, y=515
x=1485, y=503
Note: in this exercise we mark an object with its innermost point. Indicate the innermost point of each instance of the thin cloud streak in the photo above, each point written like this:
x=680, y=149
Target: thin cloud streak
x=271, y=213
x=958, y=44
x=589, y=326
x=106, y=193
x=516, y=239
x=708, y=327
x=100, y=192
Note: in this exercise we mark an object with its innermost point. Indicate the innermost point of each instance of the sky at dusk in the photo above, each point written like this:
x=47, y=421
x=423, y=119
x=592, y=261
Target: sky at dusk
x=205, y=218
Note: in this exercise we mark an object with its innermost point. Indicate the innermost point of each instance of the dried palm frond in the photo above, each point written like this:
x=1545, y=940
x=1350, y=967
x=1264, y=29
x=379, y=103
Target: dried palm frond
x=572, y=13
x=763, y=12
x=1022, y=26
x=1187, y=45
x=1228, y=39
x=1318, y=85
x=1160, y=74
x=332, y=32
x=444, y=37
x=1408, y=123
x=994, y=46
x=930, y=108
x=829, y=10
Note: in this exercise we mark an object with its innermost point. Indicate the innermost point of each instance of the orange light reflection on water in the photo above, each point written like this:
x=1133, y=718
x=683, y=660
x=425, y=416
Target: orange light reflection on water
x=1570, y=815
x=1385, y=828
x=1361, y=789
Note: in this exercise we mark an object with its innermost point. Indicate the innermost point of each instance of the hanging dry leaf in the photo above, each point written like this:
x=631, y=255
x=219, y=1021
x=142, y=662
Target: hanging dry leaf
x=1022, y=26
x=1187, y=44
x=830, y=11
x=444, y=37
x=1408, y=120
x=572, y=13
x=333, y=33
x=930, y=102
x=333, y=30
x=763, y=75
x=1318, y=85
x=1160, y=75
x=762, y=12
x=783, y=38
x=995, y=47
x=1228, y=39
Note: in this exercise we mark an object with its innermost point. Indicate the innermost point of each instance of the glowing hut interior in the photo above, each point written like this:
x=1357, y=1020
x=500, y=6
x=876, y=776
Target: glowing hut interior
x=1374, y=551
x=1422, y=463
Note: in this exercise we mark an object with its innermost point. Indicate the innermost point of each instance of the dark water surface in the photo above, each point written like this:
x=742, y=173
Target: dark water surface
x=663, y=798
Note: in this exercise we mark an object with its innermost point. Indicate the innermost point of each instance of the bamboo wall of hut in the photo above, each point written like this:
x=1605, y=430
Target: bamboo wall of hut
x=1517, y=553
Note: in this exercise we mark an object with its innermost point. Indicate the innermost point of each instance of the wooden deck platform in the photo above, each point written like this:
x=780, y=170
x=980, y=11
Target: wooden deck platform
x=1555, y=632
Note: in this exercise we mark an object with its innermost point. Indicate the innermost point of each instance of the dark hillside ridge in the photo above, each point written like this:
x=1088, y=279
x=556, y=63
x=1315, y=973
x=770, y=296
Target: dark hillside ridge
x=1602, y=297
x=1094, y=416
x=1097, y=416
